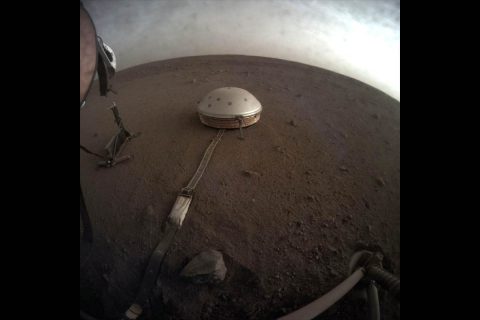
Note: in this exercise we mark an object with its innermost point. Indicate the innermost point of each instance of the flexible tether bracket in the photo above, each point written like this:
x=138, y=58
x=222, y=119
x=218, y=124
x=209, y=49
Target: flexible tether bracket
x=116, y=144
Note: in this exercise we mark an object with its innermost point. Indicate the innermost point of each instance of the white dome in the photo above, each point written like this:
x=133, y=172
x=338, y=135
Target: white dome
x=230, y=103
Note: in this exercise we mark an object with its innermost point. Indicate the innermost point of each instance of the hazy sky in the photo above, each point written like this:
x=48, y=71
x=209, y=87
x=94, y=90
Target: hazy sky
x=357, y=38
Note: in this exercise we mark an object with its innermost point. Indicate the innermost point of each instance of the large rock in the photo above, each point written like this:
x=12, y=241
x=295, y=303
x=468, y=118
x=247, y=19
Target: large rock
x=206, y=267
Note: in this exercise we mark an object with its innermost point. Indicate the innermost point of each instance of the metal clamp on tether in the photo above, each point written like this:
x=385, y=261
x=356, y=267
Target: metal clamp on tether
x=186, y=192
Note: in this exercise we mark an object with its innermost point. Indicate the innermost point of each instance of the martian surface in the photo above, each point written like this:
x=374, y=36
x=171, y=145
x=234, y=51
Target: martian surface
x=317, y=178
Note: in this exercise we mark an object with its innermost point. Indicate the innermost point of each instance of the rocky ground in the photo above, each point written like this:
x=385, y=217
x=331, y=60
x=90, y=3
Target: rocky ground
x=314, y=180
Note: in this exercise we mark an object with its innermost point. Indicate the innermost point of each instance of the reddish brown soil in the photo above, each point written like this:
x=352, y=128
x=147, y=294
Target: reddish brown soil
x=327, y=154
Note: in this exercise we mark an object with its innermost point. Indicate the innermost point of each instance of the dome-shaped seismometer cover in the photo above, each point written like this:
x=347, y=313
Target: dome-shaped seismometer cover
x=229, y=107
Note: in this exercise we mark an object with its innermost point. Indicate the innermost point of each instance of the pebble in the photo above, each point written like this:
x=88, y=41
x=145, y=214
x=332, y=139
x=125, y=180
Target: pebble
x=367, y=204
x=380, y=181
x=250, y=173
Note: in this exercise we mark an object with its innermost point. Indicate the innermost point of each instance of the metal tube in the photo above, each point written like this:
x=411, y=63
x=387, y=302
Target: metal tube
x=318, y=306
x=374, y=310
x=387, y=280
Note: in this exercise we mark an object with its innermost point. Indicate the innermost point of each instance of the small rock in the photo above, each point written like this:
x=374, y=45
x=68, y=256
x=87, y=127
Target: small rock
x=293, y=123
x=380, y=182
x=375, y=116
x=344, y=169
x=334, y=272
x=194, y=80
x=331, y=248
x=311, y=198
x=250, y=173
x=207, y=267
x=298, y=95
x=224, y=297
x=369, y=228
x=277, y=148
x=95, y=135
x=367, y=204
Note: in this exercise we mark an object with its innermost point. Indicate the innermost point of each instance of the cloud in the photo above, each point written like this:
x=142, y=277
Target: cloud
x=360, y=39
